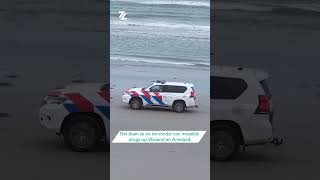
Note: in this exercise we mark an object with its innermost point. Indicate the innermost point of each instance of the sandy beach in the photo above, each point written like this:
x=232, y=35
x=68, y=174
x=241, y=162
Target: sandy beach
x=286, y=46
x=46, y=44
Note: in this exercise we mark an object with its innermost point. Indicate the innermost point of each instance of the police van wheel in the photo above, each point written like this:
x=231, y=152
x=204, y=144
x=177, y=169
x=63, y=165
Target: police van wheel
x=135, y=103
x=179, y=106
x=224, y=144
x=81, y=133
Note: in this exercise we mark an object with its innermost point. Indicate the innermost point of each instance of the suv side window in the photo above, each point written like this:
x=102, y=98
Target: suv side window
x=156, y=88
x=174, y=89
x=226, y=88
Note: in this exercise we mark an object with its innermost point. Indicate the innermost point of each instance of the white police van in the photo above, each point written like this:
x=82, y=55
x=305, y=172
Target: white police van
x=241, y=110
x=80, y=112
x=178, y=95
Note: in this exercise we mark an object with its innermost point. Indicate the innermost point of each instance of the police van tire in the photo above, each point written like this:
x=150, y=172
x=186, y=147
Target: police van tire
x=81, y=133
x=224, y=144
x=135, y=103
x=179, y=106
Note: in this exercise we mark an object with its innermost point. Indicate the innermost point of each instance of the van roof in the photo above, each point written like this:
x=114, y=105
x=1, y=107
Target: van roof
x=230, y=71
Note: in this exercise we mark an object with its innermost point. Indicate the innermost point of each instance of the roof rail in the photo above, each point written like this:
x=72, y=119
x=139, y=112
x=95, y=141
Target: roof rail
x=161, y=81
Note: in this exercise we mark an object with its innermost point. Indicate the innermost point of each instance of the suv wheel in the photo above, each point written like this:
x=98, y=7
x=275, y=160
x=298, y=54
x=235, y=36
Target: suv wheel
x=225, y=144
x=135, y=103
x=179, y=106
x=81, y=133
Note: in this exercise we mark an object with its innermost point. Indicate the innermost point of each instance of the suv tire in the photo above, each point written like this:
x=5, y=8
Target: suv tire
x=135, y=103
x=81, y=133
x=179, y=106
x=225, y=144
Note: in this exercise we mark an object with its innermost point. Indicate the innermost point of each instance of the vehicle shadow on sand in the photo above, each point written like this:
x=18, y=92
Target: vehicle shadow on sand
x=58, y=145
x=250, y=157
x=158, y=109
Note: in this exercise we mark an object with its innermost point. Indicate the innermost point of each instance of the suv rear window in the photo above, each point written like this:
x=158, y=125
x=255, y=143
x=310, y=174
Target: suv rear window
x=265, y=87
x=175, y=89
x=226, y=88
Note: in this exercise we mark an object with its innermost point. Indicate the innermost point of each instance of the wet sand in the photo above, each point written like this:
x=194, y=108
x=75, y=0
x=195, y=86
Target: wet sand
x=287, y=47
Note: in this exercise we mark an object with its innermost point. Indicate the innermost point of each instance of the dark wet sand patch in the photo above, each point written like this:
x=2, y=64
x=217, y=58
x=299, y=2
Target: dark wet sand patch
x=5, y=84
x=59, y=87
x=76, y=75
x=82, y=29
x=78, y=81
x=6, y=130
x=12, y=76
x=5, y=115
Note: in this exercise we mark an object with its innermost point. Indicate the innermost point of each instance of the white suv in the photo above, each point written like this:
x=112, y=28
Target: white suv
x=178, y=95
x=241, y=110
x=79, y=112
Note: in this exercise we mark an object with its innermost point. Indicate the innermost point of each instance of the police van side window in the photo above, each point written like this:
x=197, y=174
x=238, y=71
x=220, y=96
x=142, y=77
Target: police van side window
x=226, y=88
x=175, y=89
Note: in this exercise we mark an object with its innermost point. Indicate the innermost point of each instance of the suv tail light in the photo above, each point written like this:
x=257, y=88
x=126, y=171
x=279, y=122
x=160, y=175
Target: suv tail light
x=264, y=106
x=193, y=94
